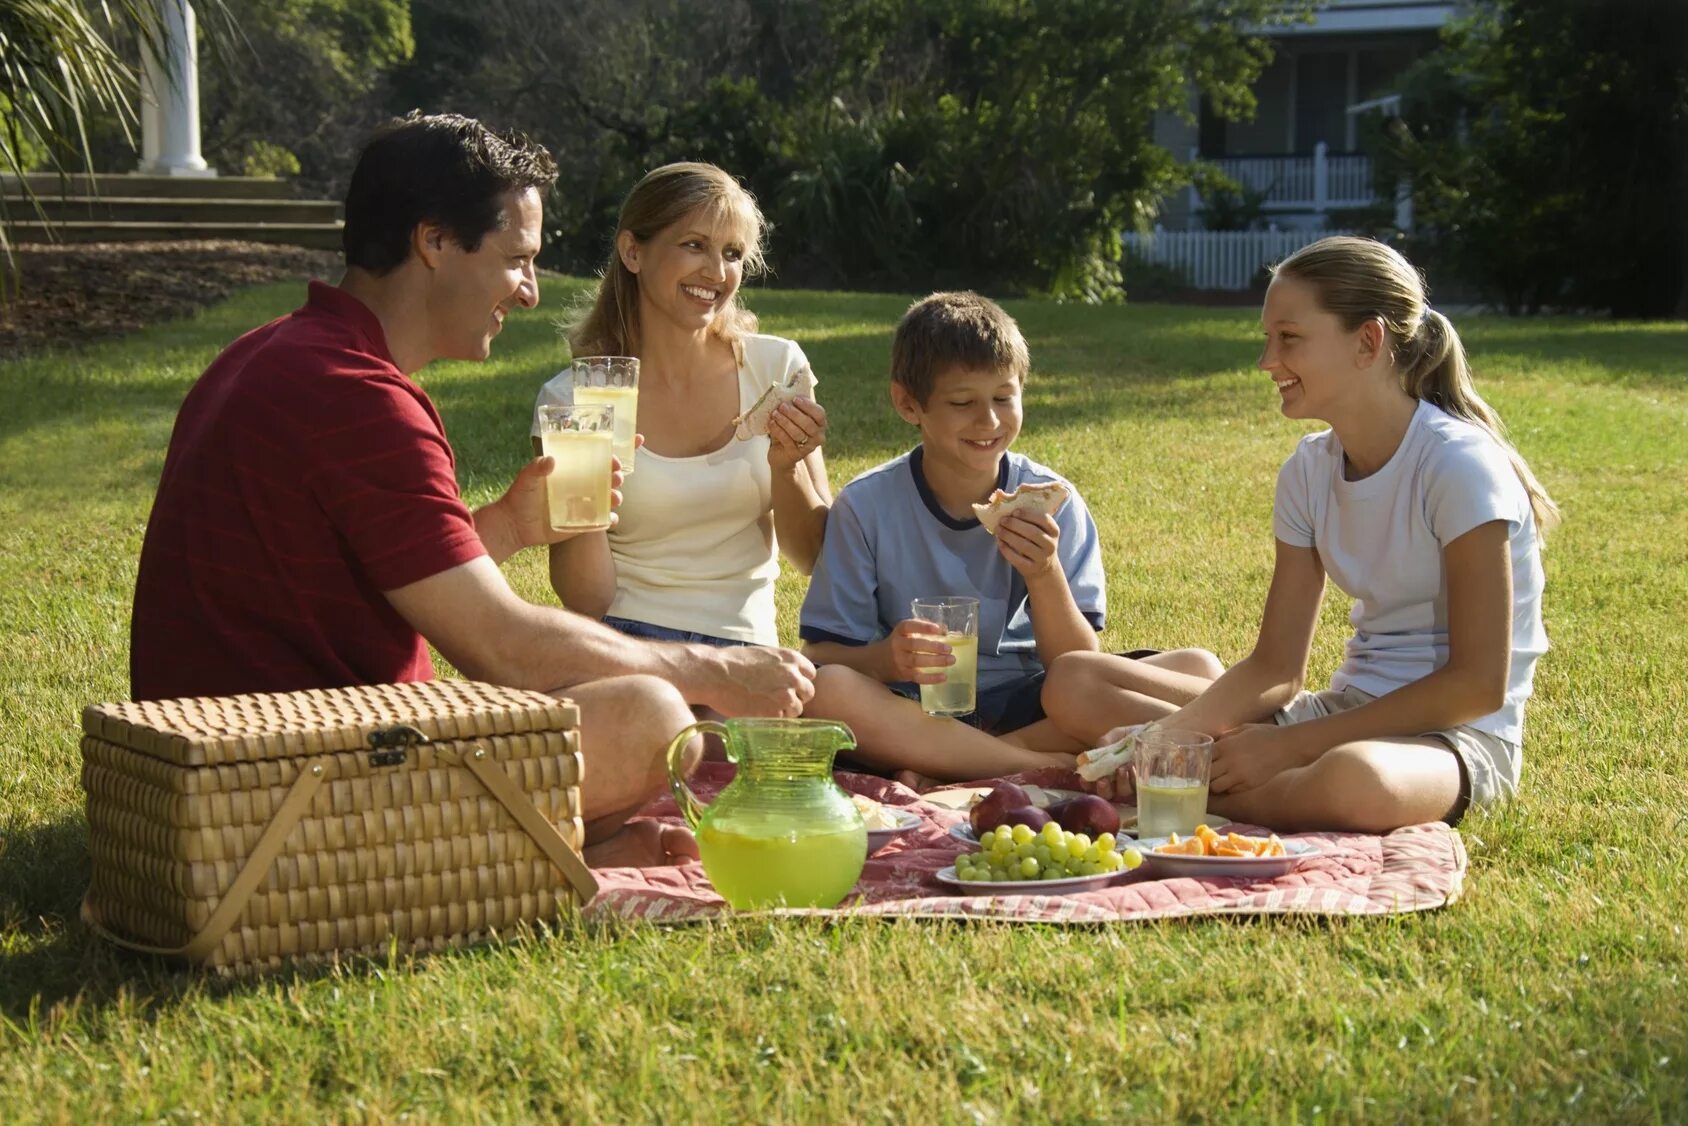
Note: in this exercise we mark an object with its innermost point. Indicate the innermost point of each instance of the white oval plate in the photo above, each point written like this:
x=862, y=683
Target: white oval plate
x=1030, y=887
x=962, y=831
x=1261, y=867
x=879, y=838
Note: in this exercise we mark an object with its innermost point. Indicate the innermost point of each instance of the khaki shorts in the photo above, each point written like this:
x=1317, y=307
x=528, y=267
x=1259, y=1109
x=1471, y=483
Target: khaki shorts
x=1489, y=766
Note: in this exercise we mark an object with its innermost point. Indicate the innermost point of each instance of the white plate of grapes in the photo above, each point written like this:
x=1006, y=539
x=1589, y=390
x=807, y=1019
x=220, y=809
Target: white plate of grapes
x=1018, y=860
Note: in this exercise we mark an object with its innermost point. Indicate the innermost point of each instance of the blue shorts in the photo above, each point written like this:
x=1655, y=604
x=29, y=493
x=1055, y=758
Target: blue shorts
x=662, y=633
x=1000, y=710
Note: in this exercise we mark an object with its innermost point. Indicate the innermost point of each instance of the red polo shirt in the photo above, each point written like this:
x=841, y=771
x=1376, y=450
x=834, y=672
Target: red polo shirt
x=306, y=475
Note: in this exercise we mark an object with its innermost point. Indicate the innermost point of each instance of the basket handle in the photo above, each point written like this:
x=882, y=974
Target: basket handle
x=542, y=832
x=252, y=873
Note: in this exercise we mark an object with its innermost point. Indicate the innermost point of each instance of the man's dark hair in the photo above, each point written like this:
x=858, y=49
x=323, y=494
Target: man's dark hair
x=435, y=168
x=955, y=331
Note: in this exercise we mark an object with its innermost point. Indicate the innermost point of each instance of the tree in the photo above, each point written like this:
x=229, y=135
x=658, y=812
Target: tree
x=895, y=143
x=306, y=86
x=1547, y=142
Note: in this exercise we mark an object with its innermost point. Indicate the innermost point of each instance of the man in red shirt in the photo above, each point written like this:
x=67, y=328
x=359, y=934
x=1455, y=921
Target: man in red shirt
x=308, y=530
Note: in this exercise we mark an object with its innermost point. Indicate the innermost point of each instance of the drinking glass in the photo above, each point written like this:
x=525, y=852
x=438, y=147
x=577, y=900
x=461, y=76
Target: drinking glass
x=1172, y=769
x=581, y=439
x=959, y=617
x=611, y=381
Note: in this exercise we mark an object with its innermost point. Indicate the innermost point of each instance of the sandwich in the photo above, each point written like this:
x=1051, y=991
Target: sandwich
x=753, y=423
x=1033, y=499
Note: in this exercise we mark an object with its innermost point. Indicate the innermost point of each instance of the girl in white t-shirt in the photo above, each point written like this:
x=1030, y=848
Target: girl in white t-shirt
x=693, y=554
x=1417, y=507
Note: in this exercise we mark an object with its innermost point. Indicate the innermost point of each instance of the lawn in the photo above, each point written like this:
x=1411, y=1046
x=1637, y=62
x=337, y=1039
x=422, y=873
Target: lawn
x=1557, y=988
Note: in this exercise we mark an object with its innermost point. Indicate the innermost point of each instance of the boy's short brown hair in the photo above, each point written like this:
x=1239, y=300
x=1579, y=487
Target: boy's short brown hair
x=955, y=330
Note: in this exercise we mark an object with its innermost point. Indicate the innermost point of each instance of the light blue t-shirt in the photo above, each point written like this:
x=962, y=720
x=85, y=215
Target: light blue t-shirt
x=889, y=541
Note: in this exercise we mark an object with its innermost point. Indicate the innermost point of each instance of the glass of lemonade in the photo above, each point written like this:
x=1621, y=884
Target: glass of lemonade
x=581, y=439
x=959, y=617
x=611, y=381
x=1172, y=773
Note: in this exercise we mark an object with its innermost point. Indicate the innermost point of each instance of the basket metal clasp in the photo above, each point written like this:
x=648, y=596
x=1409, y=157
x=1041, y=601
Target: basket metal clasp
x=390, y=746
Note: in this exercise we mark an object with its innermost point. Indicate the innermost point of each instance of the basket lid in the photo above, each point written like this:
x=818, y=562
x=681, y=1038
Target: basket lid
x=215, y=730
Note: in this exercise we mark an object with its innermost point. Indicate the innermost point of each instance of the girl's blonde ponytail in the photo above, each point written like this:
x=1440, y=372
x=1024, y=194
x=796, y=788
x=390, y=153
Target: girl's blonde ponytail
x=1440, y=374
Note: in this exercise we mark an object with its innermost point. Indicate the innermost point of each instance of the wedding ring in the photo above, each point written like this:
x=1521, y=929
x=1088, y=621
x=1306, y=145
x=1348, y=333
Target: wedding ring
x=802, y=441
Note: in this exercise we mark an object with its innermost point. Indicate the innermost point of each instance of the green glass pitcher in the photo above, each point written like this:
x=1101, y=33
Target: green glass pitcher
x=782, y=834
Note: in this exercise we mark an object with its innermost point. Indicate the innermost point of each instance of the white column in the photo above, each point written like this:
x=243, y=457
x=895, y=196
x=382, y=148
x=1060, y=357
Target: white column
x=1321, y=178
x=1404, y=204
x=170, y=97
x=1195, y=197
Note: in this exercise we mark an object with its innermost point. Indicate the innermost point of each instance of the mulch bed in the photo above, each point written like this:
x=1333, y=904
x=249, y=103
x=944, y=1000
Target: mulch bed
x=78, y=292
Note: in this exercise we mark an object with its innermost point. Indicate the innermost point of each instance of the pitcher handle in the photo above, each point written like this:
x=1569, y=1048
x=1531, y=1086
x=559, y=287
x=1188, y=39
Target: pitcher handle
x=690, y=808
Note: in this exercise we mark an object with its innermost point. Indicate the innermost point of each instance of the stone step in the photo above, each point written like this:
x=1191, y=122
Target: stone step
x=134, y=184
x=111, y=208
x=323, y=236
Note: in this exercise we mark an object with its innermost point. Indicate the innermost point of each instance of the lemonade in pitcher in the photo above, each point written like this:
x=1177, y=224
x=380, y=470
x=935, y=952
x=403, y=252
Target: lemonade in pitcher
x=782, y=834
x=756, y=860
x=958, y=694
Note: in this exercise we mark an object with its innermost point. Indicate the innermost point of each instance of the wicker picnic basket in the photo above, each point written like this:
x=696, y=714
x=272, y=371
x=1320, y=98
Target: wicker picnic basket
x=241, y=831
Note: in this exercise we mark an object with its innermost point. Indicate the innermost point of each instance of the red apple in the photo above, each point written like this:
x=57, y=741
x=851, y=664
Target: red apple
x=1028, y=815
x=1087, y=814
x=987, y=814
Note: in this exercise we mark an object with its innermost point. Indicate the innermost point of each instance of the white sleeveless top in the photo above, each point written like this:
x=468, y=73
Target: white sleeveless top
x=694, y=545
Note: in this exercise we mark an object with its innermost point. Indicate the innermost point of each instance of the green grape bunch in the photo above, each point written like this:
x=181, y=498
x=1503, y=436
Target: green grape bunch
x=1011, y=853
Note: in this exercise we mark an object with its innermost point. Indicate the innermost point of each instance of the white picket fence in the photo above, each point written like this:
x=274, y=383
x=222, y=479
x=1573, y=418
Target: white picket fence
x=1220, y=259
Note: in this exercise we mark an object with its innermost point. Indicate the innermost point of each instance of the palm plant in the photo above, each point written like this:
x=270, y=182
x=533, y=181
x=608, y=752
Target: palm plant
x=60, y=69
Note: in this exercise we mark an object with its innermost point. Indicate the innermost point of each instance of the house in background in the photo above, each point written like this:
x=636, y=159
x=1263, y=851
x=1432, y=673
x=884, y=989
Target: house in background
x=1303, y=150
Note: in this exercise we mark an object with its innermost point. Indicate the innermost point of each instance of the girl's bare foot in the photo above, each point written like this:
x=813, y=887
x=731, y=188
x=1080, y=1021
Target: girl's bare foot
x=643, y=844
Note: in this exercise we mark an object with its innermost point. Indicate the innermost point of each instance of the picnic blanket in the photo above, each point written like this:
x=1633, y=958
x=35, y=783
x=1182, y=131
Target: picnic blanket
x=1413, y=869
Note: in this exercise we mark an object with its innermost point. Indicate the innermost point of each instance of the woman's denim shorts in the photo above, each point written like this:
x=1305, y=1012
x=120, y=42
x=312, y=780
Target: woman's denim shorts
x=662, y=633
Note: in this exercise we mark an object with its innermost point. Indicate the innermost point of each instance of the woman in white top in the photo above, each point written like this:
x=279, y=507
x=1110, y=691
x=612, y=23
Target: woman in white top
x=693, y=554
x=1417, y=507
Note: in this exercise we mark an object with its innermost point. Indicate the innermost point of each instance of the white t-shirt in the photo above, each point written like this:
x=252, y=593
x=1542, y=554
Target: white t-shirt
x=1381, y=539
x=694, y=544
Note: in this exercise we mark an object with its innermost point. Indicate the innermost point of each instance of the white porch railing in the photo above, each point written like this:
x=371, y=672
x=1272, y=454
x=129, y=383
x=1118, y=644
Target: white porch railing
x=1220, y=259
x=1301, y=183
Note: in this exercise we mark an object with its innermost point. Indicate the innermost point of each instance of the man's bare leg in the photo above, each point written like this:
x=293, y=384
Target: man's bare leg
x=1370, y=787
x=893, y=733
x=626, y=724
x=1087, y=695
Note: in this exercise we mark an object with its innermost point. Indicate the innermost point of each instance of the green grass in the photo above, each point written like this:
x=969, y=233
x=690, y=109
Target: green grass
x=1554, y=990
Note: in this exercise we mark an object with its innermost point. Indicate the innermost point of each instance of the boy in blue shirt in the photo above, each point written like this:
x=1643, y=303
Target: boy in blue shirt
x=907, y=530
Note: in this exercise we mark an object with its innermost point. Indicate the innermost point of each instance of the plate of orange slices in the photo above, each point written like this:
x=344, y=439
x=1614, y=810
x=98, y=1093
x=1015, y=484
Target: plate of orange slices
x=1209, y=853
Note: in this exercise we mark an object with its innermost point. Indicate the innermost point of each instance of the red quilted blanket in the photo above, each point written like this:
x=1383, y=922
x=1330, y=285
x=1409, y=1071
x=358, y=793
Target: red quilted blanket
x=1413, y=869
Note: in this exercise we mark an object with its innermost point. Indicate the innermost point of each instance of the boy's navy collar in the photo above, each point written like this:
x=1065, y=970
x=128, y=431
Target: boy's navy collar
x=916, y=466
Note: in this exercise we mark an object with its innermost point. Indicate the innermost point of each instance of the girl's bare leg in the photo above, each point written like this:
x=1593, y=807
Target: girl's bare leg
x=1089, y=694
x=1369, y=787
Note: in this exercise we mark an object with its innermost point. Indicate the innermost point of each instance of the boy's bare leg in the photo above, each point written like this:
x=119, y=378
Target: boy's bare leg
x=893, y=734
x=1368, y=787
x=1087, y=695
x=1044, y=735
x=626, y=724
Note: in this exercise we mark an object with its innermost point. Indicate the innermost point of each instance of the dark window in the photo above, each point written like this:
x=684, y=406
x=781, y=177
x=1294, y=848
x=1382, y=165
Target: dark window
x=1210, y=138
x=1321, y=100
